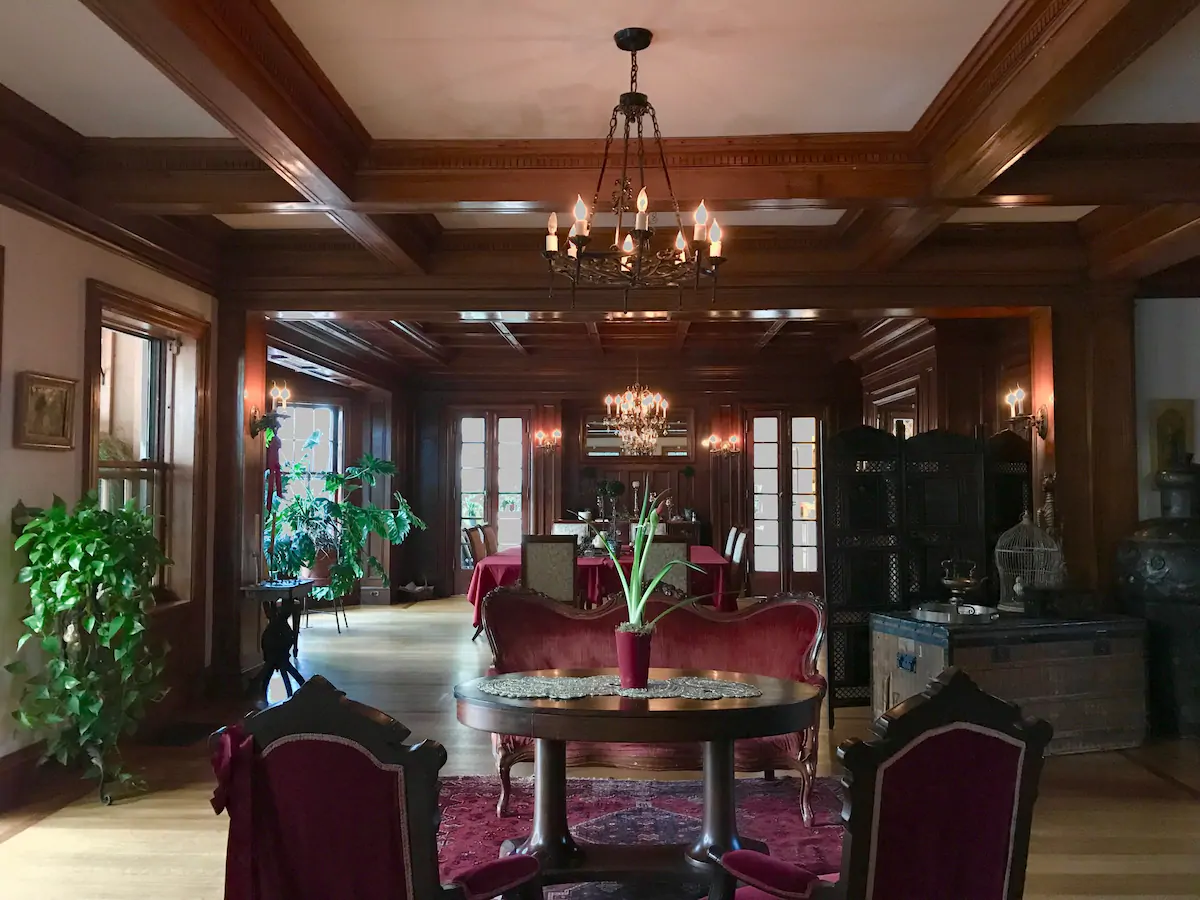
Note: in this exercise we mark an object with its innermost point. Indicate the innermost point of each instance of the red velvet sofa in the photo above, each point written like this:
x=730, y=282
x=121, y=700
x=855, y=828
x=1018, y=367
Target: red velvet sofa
x=779, y=637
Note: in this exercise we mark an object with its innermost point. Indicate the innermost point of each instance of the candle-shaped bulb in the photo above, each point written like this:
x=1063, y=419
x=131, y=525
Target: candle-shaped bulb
x=714, y=440
x=571, y=248
x=540, y=436
x=580, y=210
x=627, y=244
x=665, y=404
x=699, y=232
x=556, y=434
x=641, y=221
x=1019, y=394
x=714, y=239
x=284, y=396
x=552, y=223
x=552, y=233
x=680, y=243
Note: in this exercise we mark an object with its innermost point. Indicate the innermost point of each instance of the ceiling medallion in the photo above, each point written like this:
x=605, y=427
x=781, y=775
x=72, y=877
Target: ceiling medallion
x=631, y=262
x=638, y=416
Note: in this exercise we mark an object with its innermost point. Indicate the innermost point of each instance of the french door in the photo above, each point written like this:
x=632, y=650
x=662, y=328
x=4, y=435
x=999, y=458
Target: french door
x=784, y=478
x=491, y=480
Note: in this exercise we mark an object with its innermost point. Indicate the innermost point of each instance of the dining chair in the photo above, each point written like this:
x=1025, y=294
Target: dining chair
x=730, y=538
x=662, y=551
x=474, y=536
x=578, y=529
x=738, y=569
x=325, y=799
x=490, y=539
x=950, y=756
x=548, y=565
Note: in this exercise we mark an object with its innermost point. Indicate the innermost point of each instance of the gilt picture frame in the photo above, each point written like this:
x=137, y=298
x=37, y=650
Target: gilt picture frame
x=45, y=412
x=1172, y=428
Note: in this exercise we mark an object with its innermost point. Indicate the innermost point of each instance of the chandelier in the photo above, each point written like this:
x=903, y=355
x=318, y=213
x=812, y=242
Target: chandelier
x=632, y=261
x=639, y=417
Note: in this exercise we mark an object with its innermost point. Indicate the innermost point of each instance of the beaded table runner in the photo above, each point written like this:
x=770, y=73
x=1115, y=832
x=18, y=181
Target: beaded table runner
x=527, y=687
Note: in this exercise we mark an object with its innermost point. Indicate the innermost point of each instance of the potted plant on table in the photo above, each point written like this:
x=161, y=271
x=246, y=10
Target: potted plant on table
x=334, y=529
x=91, y=576
x=634, y=636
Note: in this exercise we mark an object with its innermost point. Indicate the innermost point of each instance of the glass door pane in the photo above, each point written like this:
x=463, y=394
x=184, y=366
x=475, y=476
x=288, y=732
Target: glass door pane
x=765, y=478
x=804, y=494
x=472, y=477
x=510, y=473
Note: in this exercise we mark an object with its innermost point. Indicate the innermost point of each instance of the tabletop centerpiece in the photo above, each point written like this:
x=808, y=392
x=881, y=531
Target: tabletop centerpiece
x=633, y=636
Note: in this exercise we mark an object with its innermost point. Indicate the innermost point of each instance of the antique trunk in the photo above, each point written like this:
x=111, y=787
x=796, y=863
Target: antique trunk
x=1085, y=676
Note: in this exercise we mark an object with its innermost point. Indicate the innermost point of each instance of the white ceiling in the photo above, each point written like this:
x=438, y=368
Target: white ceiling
x=982, y=215
x=277, y=221
x=759, y=218
x=61, y=58
x=549, y=69
x=1161, y=85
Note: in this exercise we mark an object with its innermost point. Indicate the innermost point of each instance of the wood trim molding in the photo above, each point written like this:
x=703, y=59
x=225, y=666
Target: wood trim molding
x=1131, y=243
x=102, y=298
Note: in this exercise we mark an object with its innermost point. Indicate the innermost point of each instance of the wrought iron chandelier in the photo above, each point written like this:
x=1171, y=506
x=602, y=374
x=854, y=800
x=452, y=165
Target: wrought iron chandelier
x=639, y=416
x=631, y=261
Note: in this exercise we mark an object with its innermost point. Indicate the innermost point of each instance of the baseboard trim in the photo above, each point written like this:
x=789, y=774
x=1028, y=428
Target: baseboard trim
x=19, y=773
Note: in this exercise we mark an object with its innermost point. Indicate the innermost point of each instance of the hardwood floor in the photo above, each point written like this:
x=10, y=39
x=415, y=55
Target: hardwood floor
x=1107, y=825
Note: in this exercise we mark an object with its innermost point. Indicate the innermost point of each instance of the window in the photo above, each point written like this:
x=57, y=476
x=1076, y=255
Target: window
x=492, y=475
x=318, y=421
x=145, y=429
x=804, y=494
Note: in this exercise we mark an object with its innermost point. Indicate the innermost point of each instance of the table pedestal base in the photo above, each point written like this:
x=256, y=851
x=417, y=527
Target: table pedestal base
x=564, y=861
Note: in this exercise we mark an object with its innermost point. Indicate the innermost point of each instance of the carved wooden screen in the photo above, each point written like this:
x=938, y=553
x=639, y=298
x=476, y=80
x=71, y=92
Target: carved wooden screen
x=861, y=486
x=943, y=509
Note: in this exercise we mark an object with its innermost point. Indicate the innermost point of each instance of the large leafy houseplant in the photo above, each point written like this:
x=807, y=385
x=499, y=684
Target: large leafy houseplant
x=634, y=634
x=308, y=524
x=91, y=579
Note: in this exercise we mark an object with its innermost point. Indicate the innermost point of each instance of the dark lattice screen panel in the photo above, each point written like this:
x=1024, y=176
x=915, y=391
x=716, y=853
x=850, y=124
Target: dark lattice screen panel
x=1008, y=492
x=943, y=510
x=860, y=485
x=893, y=511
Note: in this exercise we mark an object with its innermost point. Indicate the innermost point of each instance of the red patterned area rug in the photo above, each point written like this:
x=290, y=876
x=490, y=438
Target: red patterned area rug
x=606, y=810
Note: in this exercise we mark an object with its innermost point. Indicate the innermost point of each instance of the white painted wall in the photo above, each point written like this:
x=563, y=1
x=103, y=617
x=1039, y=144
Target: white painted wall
x=1167, y=354
x=45, y=276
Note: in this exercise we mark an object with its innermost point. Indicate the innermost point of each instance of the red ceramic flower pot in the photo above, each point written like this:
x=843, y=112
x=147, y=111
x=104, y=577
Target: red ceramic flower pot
x=633, y=658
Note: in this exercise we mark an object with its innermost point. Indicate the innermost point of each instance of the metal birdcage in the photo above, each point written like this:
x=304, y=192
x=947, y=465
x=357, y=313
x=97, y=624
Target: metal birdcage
x=1026, y=557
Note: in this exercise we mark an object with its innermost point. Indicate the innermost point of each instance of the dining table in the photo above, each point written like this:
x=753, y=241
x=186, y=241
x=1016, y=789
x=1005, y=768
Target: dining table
x=596, y=572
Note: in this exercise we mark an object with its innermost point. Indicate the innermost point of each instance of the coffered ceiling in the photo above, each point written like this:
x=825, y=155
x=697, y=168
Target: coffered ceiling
x=388, y=165
x=548, y=69
x=60, y=57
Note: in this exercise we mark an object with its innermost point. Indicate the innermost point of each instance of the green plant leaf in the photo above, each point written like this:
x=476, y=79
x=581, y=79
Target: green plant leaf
x=21, y=641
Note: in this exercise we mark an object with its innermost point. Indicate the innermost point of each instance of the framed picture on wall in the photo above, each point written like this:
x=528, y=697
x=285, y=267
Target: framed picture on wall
x=45, y=412
x=1172, y=427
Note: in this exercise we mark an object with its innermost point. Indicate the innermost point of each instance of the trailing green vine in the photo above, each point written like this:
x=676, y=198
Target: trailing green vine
x=91, y=578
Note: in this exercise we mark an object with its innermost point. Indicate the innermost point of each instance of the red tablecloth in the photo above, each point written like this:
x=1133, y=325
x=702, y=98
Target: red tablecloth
x=598, y=577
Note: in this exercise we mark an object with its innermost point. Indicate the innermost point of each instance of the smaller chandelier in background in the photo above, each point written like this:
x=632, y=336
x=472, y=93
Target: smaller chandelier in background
x=718, y=446
x=639, y=417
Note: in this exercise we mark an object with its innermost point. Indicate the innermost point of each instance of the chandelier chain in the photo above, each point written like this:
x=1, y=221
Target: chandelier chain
x=612, y=130
x=633, y=72
x=662, y=155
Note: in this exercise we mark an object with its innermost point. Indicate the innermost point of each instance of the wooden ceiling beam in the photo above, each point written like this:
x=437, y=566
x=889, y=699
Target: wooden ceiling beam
x=511, y=338
x=416, y=339
x=299, y=339
x=769, y=335
x=244, y=65
x=1038, y=63
x=1128, y=244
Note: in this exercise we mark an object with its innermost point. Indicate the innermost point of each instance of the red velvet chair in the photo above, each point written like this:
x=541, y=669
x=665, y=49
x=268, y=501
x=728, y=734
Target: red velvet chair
x=939, y=805
x=326, y=800
x=780, y=637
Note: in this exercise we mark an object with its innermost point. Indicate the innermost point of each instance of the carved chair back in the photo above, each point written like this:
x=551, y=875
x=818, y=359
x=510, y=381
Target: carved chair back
x=474, y=539
x=326, y=800
x=491, y=539
x=940, y=802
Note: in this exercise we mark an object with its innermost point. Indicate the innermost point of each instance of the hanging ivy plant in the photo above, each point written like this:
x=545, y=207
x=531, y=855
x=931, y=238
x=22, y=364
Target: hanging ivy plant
x=91, y=577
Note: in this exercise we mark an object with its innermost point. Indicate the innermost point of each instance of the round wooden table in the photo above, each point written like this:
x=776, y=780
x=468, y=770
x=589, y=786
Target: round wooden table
x=783, y=707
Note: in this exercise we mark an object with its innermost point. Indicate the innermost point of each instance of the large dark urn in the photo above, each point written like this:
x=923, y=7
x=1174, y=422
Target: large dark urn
x=1158, y=568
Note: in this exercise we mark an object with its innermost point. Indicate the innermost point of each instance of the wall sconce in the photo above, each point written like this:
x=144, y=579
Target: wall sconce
x=279, y=400
x=547, y=443
x=1036, y=423
x=719, y=446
